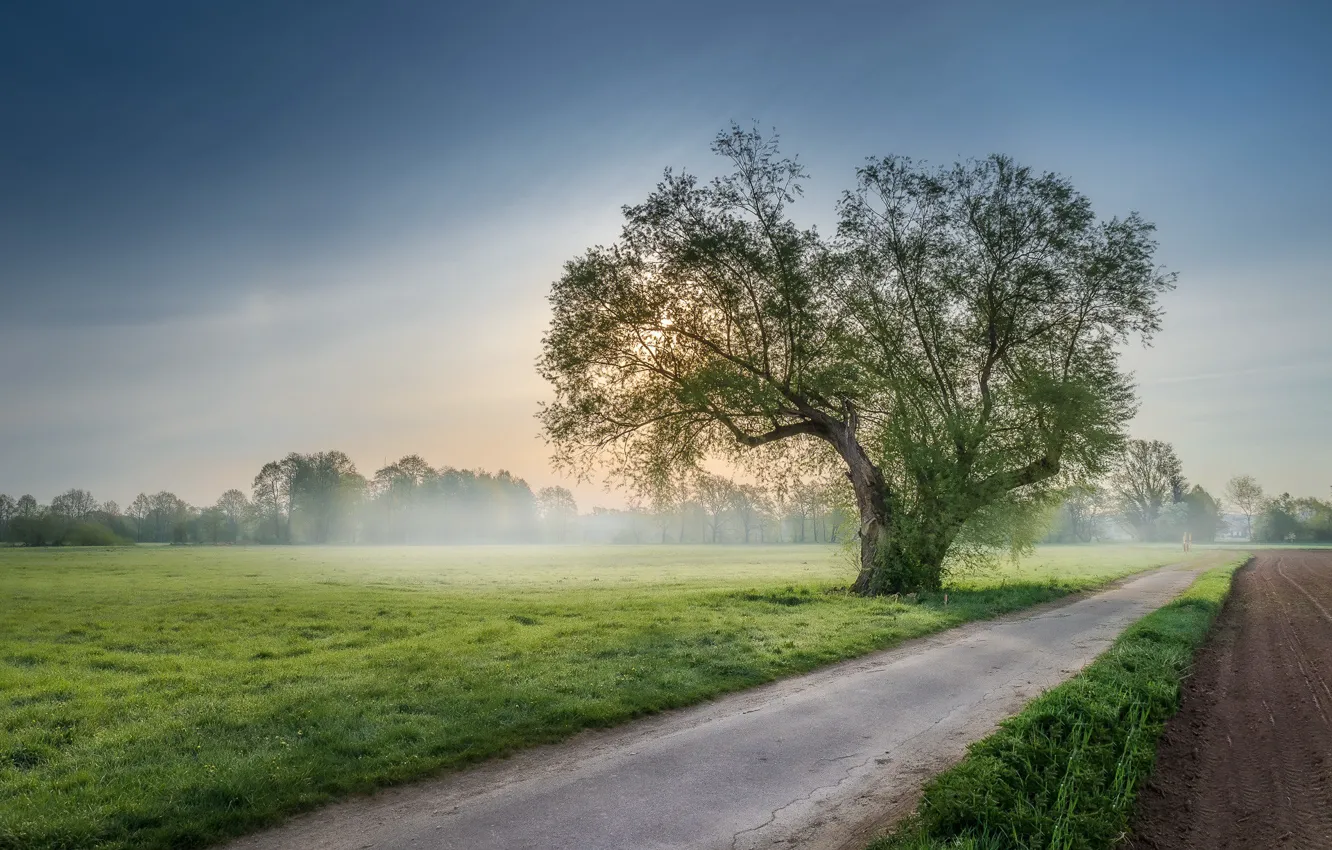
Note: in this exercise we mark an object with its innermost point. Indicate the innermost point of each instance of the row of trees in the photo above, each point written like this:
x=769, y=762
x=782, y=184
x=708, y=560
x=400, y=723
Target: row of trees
x=1280, y=519
x=73, y=518
x=322, y=498
x=1145, y=497
x=1148, y=498
x=709, y=508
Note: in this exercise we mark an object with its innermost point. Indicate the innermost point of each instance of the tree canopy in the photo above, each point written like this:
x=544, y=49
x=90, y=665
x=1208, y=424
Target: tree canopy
x=1148, y=478
x=952, y=347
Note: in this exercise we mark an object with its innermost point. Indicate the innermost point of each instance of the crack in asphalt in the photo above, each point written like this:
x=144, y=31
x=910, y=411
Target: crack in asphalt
x=850, y=771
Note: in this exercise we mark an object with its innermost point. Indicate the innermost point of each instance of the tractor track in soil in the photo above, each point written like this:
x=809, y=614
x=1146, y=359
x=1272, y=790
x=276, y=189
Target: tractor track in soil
x=1247, y=761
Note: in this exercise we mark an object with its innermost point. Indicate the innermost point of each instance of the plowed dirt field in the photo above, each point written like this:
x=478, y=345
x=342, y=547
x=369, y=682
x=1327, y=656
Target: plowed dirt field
x=1247, y=762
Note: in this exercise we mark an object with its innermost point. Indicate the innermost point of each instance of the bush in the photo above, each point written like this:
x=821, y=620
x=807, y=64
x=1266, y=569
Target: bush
x=93, y=534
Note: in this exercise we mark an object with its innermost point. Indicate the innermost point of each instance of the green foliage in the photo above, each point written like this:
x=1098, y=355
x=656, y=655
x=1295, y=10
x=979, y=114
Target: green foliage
x=1065, y=772
x=1148, y=480
x=954, y=347
x=1287, y=519
x=1204, y=519
x=1245, y=494
x=49, y=529
x=93, y=534
x=168, y=697
x=1082, y=516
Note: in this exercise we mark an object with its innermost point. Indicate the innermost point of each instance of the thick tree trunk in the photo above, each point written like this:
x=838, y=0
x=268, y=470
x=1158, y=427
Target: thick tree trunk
x=897, y=554
x=872, y=502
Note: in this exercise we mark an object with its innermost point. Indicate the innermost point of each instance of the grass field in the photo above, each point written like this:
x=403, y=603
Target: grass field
x=170, y=697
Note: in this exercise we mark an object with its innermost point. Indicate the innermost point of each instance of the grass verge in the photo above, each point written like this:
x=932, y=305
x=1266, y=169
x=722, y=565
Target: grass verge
x=1064, y=773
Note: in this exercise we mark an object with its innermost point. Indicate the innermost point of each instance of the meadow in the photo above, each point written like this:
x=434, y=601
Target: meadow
x=155, y=697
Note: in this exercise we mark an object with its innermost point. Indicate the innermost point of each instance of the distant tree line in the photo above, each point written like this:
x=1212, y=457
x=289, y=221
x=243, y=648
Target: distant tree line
x=709, y=508
x=1281, y=519
x=321, y=498
x=73, y=518
x=1147, y=498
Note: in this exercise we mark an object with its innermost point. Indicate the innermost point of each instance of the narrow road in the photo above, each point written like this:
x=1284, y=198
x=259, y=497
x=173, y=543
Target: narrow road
x=817, y=761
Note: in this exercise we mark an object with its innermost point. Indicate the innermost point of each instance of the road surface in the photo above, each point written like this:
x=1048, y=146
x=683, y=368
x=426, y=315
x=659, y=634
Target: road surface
x=817, y=761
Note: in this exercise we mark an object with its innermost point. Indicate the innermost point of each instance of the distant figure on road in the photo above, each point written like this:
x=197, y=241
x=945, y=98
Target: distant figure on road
x=1188, y=540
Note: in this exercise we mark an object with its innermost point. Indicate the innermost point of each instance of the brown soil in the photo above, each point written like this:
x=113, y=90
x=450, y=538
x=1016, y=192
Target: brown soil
x=1247, y=762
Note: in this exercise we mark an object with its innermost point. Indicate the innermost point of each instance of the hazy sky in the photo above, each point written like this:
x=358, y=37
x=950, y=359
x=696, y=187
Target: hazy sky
x=233, y=230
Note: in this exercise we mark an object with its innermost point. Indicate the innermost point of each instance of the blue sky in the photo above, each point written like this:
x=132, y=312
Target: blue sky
x=228, y=231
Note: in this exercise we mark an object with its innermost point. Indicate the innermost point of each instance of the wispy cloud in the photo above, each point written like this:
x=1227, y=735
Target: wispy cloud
x=1231, y=374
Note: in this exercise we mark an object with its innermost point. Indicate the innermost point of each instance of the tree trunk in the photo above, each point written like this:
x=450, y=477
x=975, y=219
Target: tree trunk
x=872, y=501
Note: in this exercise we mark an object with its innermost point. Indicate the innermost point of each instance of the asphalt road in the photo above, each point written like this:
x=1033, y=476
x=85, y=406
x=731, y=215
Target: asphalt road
x=818, y=761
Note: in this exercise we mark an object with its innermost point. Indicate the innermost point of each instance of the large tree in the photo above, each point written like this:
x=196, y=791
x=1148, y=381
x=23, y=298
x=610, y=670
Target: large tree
x=953, y=347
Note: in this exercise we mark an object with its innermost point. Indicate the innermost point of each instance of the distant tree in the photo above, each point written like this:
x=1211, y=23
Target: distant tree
x=666, y=508
x=956, y=344
x=1287, y=519
x=716, y=495
x=812, y=503
x=557, y=509
x=8, y=507
x=404, y=491
x=415, y=470
x=324, y=488
x=234, y=507
x=1246, y=494
x=1148, y=476
x=1278, y=521
x=212, y=523
x=269, y=490
x=791, y=509
x=749, y=504
x=1315, y=516
x=1086, y=506
x=76, y=505
x=1204, y=515
x=28, y=524
x=140, y=509
x=169, y=517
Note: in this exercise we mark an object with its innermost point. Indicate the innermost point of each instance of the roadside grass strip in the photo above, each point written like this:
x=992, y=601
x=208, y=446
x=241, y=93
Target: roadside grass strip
x=1064, y=773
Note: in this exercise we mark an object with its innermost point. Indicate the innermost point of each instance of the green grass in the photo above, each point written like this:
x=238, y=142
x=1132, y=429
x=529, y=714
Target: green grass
x=1064, y=773
x=158, y=697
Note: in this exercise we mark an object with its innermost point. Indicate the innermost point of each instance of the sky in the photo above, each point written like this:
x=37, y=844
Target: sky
x=233, y=230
